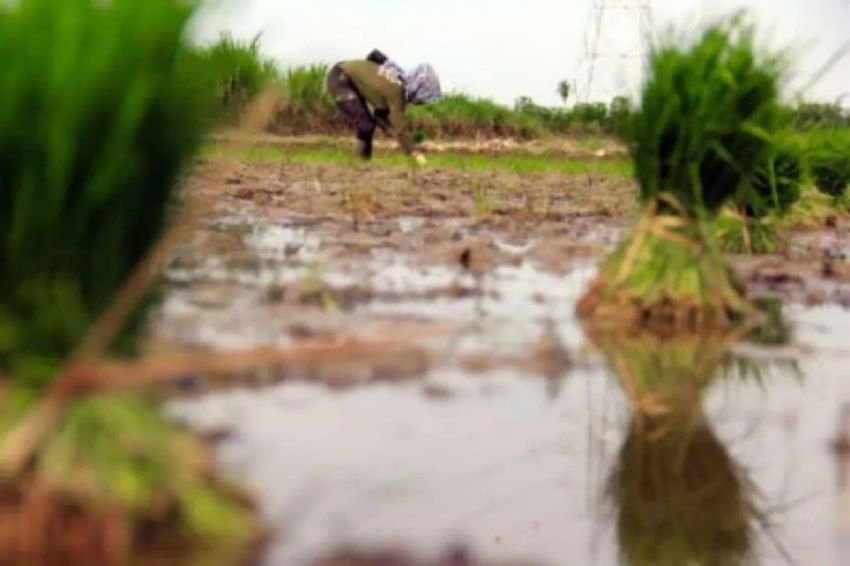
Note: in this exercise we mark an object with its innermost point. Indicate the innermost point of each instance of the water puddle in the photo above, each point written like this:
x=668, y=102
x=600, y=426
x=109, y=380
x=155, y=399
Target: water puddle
x=688, y=453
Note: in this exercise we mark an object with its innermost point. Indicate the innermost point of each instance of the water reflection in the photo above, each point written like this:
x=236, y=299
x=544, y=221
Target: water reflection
x=774, y=328
x=841, y=448
x=679, y=495
x=772, y=332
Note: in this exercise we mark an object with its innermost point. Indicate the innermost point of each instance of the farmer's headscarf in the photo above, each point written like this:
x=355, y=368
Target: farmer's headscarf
x=423, y=85
x=420, y=85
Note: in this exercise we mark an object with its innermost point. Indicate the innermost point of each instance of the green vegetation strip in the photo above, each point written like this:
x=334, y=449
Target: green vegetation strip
x=459, y=162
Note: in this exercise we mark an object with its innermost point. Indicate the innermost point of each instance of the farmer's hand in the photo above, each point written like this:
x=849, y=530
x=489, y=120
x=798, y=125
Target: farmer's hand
x=419, y=158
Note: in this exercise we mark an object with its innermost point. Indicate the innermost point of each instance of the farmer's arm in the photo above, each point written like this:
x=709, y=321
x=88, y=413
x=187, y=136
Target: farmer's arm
x=398, y=126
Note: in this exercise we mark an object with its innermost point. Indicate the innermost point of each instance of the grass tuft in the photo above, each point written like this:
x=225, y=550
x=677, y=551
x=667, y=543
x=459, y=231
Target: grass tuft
x=236, y=72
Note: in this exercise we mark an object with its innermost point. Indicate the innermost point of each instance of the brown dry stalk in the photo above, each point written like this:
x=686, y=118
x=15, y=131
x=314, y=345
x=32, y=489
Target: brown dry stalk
x=114, y=375
x=661, y=227
x=21, y=442
x=260, y=113
x=87, y=376
x=637, y=243
x=674, y=202
x=110, y=323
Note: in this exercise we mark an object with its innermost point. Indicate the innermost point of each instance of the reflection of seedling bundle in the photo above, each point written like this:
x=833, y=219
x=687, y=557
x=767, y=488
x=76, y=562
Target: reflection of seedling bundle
x=659, y=372
x=86, y=190
x=704, y=126
x=775, y=330
x=679, y=496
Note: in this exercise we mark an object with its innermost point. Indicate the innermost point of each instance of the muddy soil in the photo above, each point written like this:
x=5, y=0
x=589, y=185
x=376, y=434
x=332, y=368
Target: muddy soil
x=488, y=423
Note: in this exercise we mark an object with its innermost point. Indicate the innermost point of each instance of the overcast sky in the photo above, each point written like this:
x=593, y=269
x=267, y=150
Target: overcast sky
x=503, y=49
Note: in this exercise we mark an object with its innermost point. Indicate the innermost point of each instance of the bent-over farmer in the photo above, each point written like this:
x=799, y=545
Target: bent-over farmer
x=378, y=83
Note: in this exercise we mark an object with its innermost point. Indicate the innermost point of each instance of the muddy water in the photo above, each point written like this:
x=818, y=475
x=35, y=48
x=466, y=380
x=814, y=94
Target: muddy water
x=513, y=459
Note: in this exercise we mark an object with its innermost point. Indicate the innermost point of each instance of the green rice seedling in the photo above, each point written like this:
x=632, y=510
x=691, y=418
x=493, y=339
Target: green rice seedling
x=750, y=225
x=741, y=234
x=830, y=178
x=776, y=185
x=811, y=211
x=96, y=126
x=92, y=141
x=830, y=163
x=705, y=122
x=706, y=118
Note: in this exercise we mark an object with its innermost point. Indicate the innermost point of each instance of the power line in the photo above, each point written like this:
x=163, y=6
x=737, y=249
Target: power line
x=616, y=45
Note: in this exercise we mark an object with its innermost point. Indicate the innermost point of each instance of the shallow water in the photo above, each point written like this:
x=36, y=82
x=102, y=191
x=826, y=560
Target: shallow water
x=513, y=466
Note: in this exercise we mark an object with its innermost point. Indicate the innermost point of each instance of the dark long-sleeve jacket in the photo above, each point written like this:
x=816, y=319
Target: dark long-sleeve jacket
x=386, y=96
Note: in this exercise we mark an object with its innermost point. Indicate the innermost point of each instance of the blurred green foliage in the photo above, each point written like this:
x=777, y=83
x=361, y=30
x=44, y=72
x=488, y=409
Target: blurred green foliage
x=100, y=111
x=94, y=132
x=829, y=157
x=707, y=116
x=234, y=72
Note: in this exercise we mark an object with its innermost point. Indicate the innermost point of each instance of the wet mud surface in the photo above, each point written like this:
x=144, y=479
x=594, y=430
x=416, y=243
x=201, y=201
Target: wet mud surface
x=486, y=428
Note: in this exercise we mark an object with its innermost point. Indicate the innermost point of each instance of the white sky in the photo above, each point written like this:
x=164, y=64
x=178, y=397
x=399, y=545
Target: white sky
x=503, y=49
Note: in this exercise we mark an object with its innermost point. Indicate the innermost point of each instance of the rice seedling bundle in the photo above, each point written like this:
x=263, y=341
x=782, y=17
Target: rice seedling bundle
x=98, y=118
x=705, y=123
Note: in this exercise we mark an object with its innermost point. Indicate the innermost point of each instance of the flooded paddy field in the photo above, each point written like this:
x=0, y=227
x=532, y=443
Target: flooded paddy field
x=462, y=414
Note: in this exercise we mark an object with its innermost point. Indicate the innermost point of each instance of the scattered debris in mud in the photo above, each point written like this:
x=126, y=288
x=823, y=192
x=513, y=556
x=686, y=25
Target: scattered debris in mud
x=397, y=557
